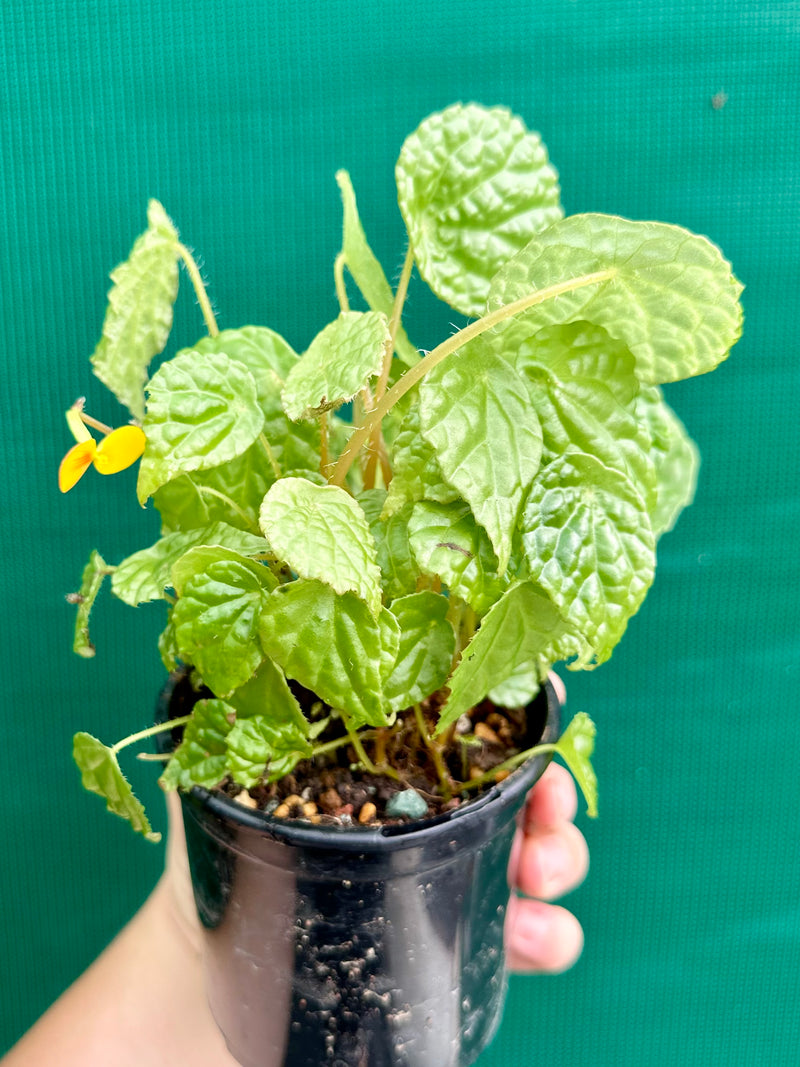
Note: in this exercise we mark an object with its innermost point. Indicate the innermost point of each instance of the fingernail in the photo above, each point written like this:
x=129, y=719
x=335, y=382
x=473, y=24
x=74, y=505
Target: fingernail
x=553, y=864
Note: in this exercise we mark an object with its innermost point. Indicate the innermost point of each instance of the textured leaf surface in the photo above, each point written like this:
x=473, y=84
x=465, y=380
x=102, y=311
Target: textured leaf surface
x=365, y=268
x=332, y=645
x=575, y=746
x=263, y=748
x=416, y=474
x=671, y=297
x=146, y=574
x=589, y=544
x=475, y=410
x=517, y=631
x=676, y=458
x=139, y=315
x=427, y=647
x=323, y=533
x=398, y=567
x=216, y=622
x=447, y=542
x=197, y=560
x=100, y=774
x=581, y=400
x=92, y=579
x=201, y=757
x=202, y=411
x=474, y=185
x=339, y=362
x=266, y=354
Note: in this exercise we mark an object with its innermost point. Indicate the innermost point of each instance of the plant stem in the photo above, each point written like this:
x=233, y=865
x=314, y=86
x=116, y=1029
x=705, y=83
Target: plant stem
x=231, y=504
x=338, y=278
x=507, y=765
x=276, y=467
x=394, y=322
x=151, y=731
x=446, y=348
x=436, y=753
x=369, y=766
x=199, y=288
x=101, y=426
x=325, y=464
x=339, y=742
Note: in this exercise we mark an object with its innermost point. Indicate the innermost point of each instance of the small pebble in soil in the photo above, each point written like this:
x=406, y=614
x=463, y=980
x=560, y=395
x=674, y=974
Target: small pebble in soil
x=367, y=813
x=246, y=800
x=408, y=802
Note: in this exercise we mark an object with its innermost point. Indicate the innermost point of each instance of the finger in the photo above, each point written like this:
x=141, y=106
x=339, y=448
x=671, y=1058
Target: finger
x=552, y=800
x=541, y=938
x=550, y=862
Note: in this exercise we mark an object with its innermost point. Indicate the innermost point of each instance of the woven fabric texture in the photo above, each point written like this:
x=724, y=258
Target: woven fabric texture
x=236, y=116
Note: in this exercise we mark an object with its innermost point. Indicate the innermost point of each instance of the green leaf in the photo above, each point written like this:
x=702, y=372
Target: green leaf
x=267, y=693
x=427, y=647
x=474, y=186
x=398, y=567
x=365, y=268
x=196, y=561
x=94, y=573
x=519, y=689
x=266, y=354
x=216, y=621
x=677, y=460
x=202, y=411
x=146, y=574
x=518, y=630
x=322, y=533
x=338, y=364
x=100, y=774
x=664, y=292
x=447, y=542
x=589, y=543
x=332, y=645
x=139, y=315
x=575, y=746
x=201, y=757
x=416, y=474
x=578, y=400
x=475, y=410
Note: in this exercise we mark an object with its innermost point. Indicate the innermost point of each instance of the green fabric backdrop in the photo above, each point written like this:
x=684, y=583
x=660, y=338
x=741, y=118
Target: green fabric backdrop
x=236, y=116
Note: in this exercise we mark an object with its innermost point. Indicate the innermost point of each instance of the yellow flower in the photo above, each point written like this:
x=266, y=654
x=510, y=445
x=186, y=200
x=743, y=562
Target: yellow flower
x=117, y=450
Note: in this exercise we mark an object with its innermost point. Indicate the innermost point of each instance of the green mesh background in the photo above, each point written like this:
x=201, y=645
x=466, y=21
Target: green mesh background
x=236, y=116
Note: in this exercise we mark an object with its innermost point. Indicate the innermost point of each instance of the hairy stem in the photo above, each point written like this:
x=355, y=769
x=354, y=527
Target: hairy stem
x=199, y=288
x=446, y=348
x=394, y=322
x=151, y=731
x=276, y=467
x=338, y=278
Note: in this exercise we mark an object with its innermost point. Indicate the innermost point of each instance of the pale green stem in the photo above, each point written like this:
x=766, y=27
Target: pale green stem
x=199, y=288
x=151, y=731
x=446, y=348
x=338, y=277
x=276, y=467
x=370, y=767
x=507, y=765
x=435, y=751
x=231, y=503
x=394, y=322
x=339, y=742
x=324, y=452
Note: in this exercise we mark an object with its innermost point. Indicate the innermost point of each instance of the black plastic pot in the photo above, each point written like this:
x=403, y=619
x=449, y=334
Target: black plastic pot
x=357, y=947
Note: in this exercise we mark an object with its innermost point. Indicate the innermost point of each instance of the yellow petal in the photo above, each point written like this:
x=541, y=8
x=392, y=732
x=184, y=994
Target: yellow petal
x=74, y=464
x=119, y=450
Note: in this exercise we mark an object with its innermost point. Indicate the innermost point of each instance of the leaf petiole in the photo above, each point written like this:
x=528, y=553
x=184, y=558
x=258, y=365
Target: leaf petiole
x=199, y=288
x=447, y=348
x=151, y=731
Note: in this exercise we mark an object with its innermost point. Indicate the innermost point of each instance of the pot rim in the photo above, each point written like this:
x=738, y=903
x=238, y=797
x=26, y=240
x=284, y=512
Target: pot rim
x=387, y=838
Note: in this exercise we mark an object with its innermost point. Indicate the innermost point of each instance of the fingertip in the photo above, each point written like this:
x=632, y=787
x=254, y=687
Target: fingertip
x=541, y=938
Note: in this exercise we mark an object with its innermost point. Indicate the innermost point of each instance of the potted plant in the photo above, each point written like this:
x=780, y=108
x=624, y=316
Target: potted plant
x=371, y=558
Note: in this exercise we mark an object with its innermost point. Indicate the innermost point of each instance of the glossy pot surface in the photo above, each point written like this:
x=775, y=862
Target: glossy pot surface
x=357, y=947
